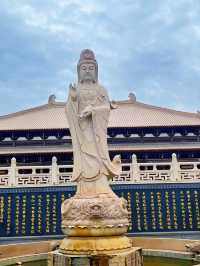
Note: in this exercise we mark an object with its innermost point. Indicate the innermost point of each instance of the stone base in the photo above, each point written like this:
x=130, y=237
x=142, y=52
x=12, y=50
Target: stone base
x=94, y=245
x=102, y=214
x=130, y=257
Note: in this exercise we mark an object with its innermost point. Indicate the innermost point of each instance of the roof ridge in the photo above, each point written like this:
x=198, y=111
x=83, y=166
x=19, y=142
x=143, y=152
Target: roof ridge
x=129, y=106
x=170, y=110
x=39, y=107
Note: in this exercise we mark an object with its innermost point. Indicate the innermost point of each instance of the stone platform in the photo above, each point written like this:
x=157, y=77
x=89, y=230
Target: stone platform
x=129, y=257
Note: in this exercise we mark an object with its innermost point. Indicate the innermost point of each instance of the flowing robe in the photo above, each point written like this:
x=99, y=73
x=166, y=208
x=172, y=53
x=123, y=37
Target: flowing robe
x=89, y=134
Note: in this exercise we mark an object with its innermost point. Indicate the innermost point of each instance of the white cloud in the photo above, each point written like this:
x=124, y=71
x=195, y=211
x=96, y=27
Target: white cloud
x=30, y=15
x=88, y=7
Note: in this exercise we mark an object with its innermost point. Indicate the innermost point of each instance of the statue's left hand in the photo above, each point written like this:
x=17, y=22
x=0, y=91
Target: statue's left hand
x=86, y=112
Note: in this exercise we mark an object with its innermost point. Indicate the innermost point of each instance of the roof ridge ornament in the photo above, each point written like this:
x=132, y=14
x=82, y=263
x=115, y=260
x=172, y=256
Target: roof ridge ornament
x=132, y=97
x=52, y=99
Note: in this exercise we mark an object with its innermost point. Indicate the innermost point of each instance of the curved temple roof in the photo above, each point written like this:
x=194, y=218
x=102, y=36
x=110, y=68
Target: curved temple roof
x=127, y=114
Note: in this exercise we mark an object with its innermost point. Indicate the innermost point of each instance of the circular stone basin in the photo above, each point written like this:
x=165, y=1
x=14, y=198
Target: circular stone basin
x=33, y=263
x=159, y=261
x=148, y=261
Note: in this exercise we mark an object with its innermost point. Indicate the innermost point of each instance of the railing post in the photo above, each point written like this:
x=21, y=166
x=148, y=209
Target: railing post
x=54, y=171
x=135, y=175
x=12, y=177
x=175, y=168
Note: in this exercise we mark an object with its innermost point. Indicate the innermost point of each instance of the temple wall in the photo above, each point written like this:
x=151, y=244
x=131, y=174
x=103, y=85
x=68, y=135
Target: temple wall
x=35, y=211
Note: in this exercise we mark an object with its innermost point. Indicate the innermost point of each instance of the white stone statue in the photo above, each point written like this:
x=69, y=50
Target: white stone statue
x=95, y=210
x=87, y=110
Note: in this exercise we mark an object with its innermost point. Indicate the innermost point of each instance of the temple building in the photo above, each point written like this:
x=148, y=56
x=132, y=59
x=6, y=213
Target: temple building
x=35, y=135
x=160, y=153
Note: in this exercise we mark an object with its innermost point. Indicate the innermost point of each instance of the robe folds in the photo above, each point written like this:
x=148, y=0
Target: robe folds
x=89, y=134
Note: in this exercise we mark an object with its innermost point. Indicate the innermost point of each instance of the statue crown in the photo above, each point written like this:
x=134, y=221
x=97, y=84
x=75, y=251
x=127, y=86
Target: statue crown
x=87, y=55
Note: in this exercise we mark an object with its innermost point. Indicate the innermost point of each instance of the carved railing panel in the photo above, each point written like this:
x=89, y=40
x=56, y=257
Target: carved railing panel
x=3, y=181
x=64, y=178
x=64, y=174
x=4, y=176
x=190, y=175
x=154, y=176
x=33, y=180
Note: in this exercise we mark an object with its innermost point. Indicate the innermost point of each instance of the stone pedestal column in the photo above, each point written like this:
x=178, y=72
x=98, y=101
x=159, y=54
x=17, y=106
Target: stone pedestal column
x=130, y=257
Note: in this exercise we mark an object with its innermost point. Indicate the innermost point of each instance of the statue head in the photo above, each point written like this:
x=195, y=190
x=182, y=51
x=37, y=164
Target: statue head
x=87, y=67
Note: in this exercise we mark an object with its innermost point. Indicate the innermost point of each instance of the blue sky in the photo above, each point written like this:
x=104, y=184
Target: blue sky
x=151, y=48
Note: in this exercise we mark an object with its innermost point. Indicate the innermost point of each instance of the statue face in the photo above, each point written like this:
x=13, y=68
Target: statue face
x=87, y=72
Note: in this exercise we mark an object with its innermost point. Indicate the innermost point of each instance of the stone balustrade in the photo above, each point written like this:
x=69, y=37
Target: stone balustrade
x=54, y=174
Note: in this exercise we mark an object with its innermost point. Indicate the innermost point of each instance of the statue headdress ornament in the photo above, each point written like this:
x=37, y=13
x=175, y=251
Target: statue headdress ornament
x=87, y=55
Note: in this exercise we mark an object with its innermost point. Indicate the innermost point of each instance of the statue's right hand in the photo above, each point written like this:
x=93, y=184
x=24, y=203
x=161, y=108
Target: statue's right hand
x=72, y=86
x=73, y=91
